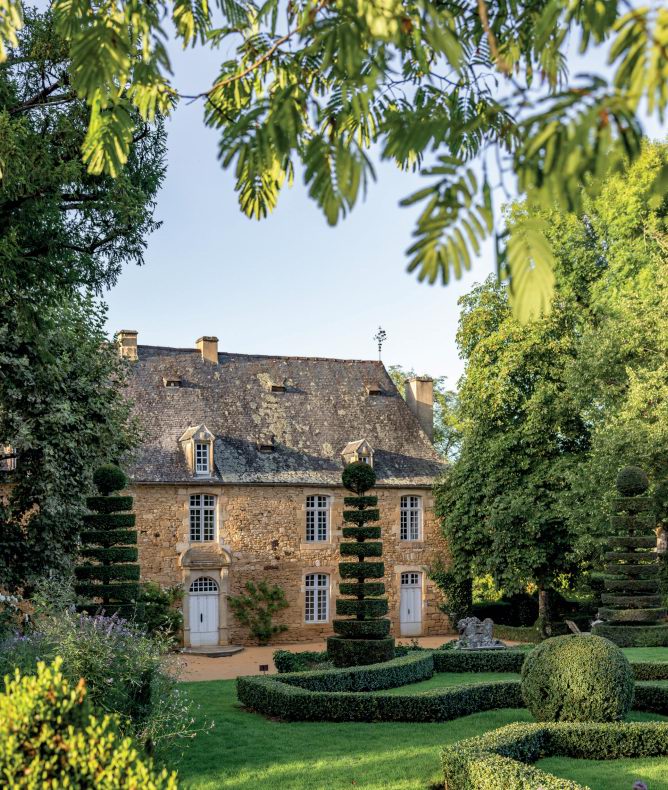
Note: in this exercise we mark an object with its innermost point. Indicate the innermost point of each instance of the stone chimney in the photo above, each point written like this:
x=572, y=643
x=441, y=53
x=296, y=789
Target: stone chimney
x=420, y=400
x=208, y=347
x=127, y=343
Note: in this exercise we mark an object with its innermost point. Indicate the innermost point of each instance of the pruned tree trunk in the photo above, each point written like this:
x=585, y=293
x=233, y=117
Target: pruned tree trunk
x=544, y=612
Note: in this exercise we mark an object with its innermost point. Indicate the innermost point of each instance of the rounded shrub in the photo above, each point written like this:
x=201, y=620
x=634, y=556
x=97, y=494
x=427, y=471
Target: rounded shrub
x=577, y=678
x=109, y=478
x=632, y=481
x=358, y=477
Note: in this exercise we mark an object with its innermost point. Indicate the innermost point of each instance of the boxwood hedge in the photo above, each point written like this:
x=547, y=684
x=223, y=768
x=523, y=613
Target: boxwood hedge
x=479, y=661
x=501, y=759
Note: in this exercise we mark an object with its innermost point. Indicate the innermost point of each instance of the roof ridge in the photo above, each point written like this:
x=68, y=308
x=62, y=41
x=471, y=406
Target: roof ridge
x=265, y=356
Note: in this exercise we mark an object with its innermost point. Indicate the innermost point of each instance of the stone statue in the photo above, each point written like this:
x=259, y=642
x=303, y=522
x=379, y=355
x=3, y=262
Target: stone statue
x=476, y=635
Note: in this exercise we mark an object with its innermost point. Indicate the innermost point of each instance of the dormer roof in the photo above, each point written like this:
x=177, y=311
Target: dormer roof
x=198, y=433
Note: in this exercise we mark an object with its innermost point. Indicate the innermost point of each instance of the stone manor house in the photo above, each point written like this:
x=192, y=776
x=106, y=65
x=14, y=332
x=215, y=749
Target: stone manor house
x=239, y=478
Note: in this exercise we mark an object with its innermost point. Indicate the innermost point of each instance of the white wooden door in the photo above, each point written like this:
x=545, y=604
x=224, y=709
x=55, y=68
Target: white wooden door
x=410, y=617
x=203, y=602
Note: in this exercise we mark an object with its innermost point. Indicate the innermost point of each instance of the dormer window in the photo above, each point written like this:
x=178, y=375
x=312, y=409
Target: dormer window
x=358, y=452
x=278, y=387
x=373, y=389
x=197, y=444
x=171, y=382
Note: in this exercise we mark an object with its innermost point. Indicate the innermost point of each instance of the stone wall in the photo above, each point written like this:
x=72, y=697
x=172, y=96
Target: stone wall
x=261, y=535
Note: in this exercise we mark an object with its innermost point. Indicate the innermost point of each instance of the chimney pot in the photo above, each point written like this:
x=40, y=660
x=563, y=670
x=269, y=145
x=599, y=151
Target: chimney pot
x=127, y=343
x=208, y=347
x=420, y=400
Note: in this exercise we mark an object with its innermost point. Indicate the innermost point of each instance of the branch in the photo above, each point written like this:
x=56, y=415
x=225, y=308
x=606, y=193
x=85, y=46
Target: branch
x=262, y=59
x=39, y=98
x=491, y=38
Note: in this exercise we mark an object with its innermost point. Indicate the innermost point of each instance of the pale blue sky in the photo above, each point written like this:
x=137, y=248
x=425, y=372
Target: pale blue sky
x=289, y=284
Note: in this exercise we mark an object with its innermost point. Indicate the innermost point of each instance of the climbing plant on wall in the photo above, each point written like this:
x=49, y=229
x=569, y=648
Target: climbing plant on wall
x=363, y=637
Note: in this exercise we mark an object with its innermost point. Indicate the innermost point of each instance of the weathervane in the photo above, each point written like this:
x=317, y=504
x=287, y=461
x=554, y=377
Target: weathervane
x=380, y=337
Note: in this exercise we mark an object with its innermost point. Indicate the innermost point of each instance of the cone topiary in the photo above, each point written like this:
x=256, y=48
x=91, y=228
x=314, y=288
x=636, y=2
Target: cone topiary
x=364, y=639
x=631, y=608
x=108, y=575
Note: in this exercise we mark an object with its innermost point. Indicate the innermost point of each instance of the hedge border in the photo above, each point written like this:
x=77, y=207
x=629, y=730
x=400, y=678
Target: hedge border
x=339, y=694
x=502, y=758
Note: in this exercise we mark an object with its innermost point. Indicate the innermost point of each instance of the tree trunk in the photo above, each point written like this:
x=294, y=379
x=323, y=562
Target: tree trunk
x=544, y=613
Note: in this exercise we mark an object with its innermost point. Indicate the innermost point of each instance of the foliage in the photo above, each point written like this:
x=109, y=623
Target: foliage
x=550, y=409
x=451, y=660
x=109, y=478
x=457, y=592
x=462, y=91
x=50, y=738
x=157, y=610
x=65, y=235
x=632, y=481
x=109, y=571
x=577, y=678
x=303, y=661
x=633, y=555
x=634, y=635
x=364, y=639
x=126, y=672
x=256, y=609
x=447, y=425
x=9, y=614
x=502, y=758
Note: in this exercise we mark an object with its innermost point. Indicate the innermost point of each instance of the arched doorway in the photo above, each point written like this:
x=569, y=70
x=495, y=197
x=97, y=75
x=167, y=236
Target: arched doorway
x=203, y=597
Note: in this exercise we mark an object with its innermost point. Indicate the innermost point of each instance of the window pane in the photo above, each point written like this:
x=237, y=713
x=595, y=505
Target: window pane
x=316, y=598
x=317, y=517
x=410, y=518
x=202, y=517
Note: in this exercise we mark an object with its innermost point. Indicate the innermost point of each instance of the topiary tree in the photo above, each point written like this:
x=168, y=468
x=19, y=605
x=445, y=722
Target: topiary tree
x=48, y=738
x=108, y=575
x=631, y=604
x=577, y=678
x=364, y=639
x=256, y=609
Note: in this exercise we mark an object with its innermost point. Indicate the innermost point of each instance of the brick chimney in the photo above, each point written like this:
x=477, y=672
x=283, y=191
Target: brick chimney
x=127, y=343
x=208, y=347
x=420, y=399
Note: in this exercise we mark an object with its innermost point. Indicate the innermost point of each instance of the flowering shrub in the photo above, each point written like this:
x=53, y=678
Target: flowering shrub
x=49, y=739
x=126, y=672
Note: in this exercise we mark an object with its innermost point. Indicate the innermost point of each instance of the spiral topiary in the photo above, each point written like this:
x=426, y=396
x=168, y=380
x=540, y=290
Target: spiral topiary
x=632, y=481
x=632, y=614
x=577, y=678
x=363, y=639
x=108, y=574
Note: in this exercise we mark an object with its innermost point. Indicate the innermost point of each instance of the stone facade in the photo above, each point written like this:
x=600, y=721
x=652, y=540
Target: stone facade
x=261, y=535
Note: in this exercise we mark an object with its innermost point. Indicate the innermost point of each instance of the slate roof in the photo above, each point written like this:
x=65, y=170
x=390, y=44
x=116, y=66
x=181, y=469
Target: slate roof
x=325, y=406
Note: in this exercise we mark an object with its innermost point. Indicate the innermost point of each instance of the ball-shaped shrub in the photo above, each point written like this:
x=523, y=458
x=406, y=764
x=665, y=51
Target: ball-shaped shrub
x=632, y=481
x=577, y=678
x=358, y=477
x=109, y=478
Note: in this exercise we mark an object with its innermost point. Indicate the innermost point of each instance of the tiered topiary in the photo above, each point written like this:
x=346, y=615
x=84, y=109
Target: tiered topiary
x=109, y=576
x=364, y=639
x=631, y=604
x=577, y=678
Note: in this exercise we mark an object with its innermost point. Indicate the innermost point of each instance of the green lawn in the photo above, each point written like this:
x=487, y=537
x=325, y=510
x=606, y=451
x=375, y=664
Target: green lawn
x=245, y=751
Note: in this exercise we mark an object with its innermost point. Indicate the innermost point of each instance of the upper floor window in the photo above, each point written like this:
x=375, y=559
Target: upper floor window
x=7, y=458
x=411, y=518
x=316, y=608
x=202, y=458
x=317, y=518
x=202, y=517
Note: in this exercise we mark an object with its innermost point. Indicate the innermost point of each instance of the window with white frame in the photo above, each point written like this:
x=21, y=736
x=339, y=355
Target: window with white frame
x=316, y=609
x=202, y=517
x=317, y=518
x=411, y=518
x=201, y=458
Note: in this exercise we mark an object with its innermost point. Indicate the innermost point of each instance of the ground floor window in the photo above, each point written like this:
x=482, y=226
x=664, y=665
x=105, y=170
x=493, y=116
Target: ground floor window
x=317, y=598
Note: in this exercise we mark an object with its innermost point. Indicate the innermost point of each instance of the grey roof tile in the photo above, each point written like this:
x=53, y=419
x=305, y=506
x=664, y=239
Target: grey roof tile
x=325, y=406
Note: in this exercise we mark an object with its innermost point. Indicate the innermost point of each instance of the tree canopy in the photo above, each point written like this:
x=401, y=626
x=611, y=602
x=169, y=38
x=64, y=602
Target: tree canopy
x=470, y=92
x=64, y=235
x=551, y=410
